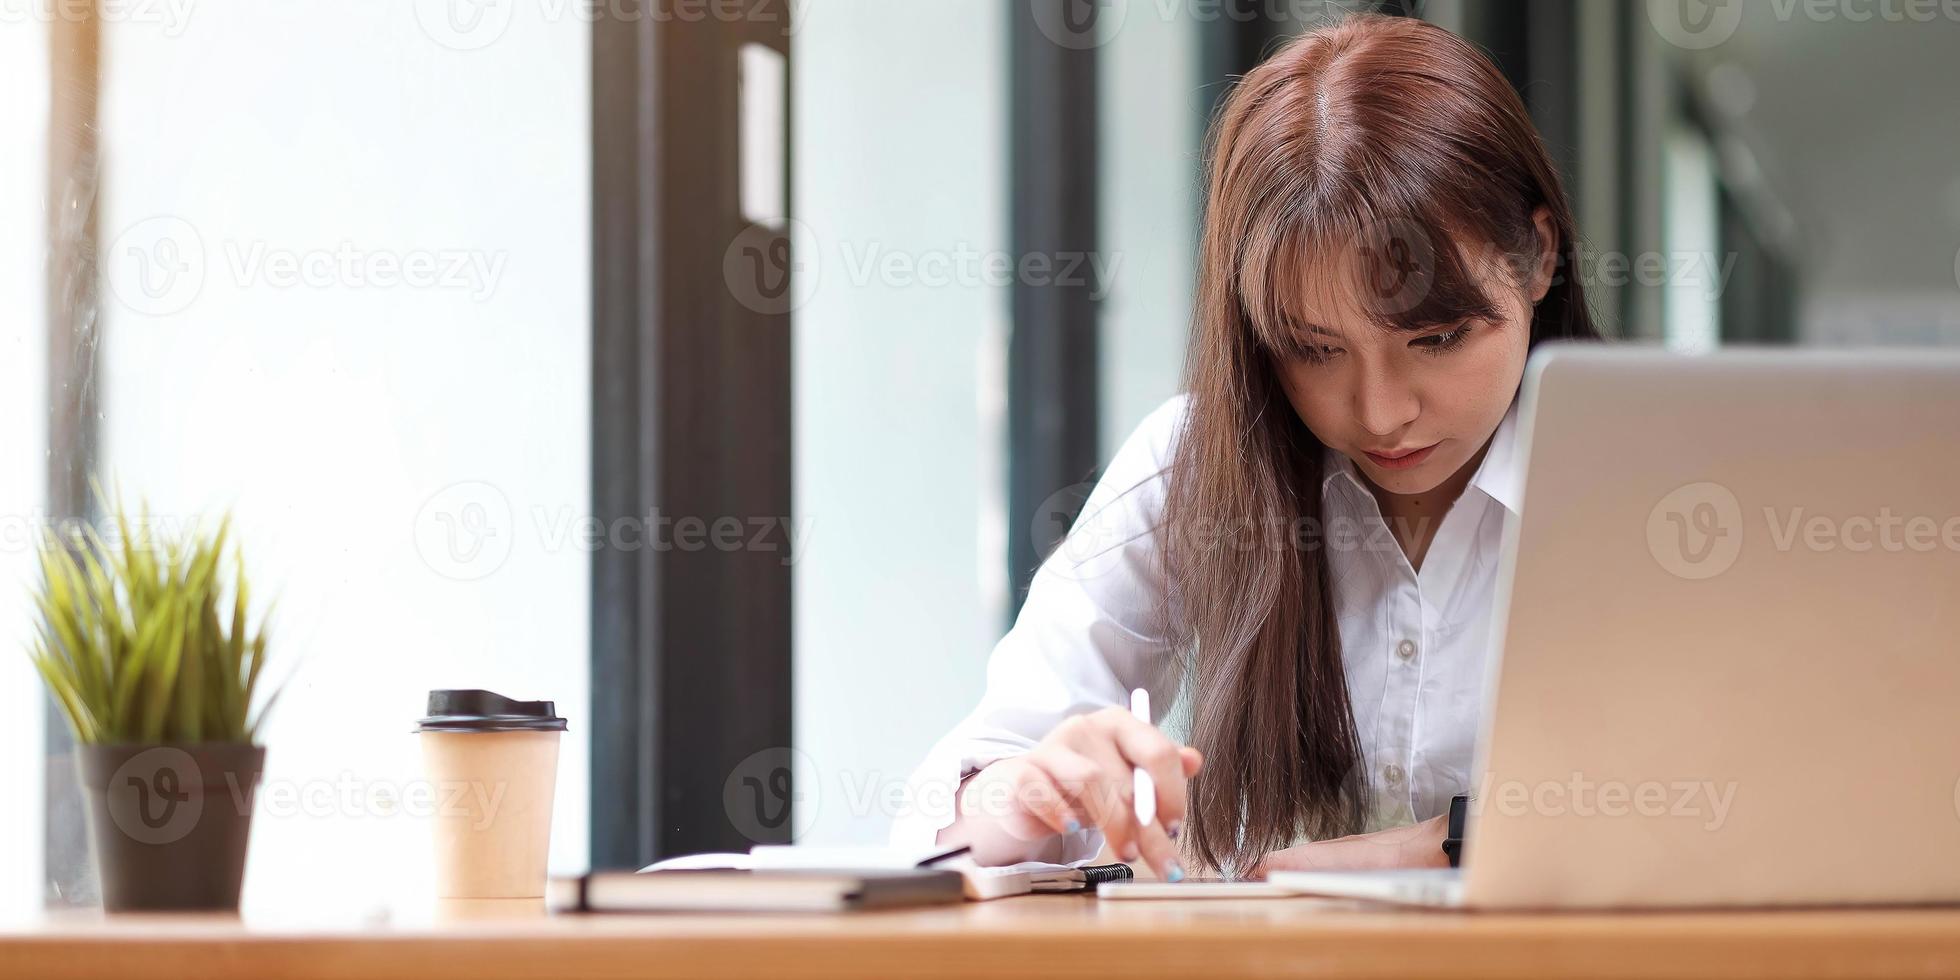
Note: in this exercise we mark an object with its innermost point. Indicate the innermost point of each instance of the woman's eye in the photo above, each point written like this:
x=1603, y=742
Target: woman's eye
x=1443, y=341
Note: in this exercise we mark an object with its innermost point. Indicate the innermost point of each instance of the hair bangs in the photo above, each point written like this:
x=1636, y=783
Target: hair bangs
x=1328, y=267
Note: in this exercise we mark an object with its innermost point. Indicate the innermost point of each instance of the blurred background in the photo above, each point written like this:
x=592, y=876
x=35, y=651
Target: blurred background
x=722, y=370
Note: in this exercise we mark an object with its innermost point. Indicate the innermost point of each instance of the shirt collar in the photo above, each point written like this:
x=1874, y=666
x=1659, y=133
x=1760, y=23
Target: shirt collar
x=1500, y=476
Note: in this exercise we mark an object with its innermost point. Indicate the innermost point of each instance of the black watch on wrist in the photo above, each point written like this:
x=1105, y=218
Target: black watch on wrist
x=1453, y=838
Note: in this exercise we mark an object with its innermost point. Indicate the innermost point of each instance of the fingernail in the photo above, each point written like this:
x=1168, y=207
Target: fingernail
x=1131, y=854
x=1175, y=873
x=1173, y=828
x=1074, y=826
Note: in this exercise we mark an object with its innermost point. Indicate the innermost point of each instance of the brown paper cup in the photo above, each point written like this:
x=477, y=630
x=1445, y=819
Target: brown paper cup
x=492, y=822
x=493, y=766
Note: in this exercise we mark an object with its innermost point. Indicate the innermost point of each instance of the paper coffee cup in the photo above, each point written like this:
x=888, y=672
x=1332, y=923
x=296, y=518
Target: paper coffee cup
x=492, y=764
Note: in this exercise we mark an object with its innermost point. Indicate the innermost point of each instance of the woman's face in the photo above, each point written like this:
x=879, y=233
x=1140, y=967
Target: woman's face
x=1412, y=409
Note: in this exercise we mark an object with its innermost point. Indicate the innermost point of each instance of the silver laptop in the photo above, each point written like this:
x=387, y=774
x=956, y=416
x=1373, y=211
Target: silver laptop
x=1727, y=659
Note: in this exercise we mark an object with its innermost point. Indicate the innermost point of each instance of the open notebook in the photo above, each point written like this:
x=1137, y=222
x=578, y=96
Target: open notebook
x=981, y=882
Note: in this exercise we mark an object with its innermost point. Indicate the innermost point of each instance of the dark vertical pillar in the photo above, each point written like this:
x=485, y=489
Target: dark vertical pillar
x=691, y=428
x=1052, y=358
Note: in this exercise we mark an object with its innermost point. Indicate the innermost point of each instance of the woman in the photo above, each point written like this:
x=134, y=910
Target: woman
x=1304, y=546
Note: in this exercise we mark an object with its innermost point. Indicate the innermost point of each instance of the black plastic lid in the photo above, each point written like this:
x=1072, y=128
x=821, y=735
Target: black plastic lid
x=485, y=711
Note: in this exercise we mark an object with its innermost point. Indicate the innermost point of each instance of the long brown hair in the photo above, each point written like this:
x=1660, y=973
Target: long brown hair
x=1379, y=138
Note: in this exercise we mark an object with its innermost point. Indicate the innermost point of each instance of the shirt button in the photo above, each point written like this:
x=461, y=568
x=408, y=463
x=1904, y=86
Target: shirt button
x=1392, y=773
x=1406, y=649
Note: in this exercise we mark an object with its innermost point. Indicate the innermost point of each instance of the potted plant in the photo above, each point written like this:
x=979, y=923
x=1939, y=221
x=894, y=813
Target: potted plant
x=146, y=648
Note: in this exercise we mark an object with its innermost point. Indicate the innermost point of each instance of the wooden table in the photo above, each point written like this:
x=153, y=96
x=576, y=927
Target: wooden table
x=1034, y=936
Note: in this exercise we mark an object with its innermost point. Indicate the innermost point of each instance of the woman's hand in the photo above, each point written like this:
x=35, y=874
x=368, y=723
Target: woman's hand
x=1081, y=775
x=1415, y=846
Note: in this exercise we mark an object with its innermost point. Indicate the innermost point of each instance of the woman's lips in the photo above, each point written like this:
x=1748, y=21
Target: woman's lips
x=1404, y=461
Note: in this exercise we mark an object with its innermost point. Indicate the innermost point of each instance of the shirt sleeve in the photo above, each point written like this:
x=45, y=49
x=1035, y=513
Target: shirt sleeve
x=1092, y=628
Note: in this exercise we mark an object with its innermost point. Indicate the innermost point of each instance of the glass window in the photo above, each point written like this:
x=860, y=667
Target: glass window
x=900, y=154
x=345, y=296
x=1152, y=115
x=24, y=443
x=1691, y=309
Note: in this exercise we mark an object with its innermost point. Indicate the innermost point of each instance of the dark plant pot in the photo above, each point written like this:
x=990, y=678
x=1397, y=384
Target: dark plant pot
x=170, y=822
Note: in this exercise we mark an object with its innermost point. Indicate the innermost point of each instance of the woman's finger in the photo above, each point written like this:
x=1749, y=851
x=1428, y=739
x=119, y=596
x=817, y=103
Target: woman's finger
x=1038, y=795
x=1160, y=851
x=1096, y=786
x=1146, y=842
x=1143, y=746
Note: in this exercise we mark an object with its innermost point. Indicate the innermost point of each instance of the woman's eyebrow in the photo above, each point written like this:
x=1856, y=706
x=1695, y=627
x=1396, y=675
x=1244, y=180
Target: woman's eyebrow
x=1433, y=326
x=1305, y=327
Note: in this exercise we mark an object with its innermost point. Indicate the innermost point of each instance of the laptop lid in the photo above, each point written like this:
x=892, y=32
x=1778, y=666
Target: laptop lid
x=1727, y=665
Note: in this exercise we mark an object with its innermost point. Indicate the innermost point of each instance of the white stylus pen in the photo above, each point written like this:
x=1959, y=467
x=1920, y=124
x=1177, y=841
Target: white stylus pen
x=1146, y=791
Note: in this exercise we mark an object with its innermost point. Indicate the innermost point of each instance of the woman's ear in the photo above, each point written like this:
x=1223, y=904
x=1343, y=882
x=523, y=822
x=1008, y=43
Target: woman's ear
x=1547, y=265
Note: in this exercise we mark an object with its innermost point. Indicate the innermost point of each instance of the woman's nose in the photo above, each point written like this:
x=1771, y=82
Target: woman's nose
x=1383, y=405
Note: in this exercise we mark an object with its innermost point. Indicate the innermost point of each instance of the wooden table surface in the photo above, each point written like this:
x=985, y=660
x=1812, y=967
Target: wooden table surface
x=1033, y=936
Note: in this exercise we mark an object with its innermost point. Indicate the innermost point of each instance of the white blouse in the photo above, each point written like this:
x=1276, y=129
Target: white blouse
x=1413, y=642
